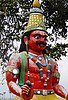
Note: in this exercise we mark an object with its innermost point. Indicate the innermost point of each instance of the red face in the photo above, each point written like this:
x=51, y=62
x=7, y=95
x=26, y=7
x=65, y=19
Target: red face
x=37, y=41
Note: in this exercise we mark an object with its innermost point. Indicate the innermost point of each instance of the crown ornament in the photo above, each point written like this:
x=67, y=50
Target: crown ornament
x=36, y=18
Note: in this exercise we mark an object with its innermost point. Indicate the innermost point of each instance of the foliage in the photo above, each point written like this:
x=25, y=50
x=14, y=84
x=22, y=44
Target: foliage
x=14, y=16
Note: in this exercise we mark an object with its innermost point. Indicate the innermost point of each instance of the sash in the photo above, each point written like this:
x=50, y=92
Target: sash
x=22, y=71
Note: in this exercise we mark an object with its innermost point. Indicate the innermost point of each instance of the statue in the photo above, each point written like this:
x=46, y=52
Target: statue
x=31, y=74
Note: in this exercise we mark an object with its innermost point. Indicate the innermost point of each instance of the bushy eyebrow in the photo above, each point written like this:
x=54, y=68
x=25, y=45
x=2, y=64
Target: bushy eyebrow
x=40, y=35
x=37, y=34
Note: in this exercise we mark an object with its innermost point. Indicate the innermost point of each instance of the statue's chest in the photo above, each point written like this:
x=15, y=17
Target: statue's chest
x=36, y=72
x=38, y=76
x=34, y=68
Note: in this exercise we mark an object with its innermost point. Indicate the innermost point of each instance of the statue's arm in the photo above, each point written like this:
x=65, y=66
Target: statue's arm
x=12, y=74
x=12, y=77
x=59, y=90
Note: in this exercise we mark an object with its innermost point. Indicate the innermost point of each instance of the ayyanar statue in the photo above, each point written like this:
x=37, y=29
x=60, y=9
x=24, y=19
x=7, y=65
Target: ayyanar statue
x=31, y=74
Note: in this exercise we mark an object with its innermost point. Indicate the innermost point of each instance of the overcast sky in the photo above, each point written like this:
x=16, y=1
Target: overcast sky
x=63, y=69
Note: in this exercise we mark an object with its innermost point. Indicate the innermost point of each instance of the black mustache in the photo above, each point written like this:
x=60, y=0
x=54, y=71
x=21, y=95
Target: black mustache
x=38, y=43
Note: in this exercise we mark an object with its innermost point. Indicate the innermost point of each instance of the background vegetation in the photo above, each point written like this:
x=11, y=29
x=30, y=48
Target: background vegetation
x=14, y=16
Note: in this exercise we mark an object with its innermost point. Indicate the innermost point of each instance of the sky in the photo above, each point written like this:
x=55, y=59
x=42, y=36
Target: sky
x=63, y=69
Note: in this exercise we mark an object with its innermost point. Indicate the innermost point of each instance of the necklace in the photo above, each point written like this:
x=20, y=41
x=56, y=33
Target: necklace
x=39, y=64
x=46, y=62
x=39, y=58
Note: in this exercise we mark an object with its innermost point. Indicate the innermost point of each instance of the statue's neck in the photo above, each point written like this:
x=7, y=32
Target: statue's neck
x=35, y=52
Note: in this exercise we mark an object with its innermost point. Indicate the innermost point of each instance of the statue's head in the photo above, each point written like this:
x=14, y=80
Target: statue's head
x=35, y=32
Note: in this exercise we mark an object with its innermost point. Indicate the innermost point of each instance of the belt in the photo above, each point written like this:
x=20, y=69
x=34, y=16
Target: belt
x=43, y=92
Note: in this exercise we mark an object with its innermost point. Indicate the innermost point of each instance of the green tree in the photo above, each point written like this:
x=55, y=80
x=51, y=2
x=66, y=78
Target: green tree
x=14, y=16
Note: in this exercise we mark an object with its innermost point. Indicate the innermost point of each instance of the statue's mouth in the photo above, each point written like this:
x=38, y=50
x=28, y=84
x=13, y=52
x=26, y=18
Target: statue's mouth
x=41, y=43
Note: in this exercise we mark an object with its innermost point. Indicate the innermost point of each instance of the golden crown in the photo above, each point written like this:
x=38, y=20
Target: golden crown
x=36, y=18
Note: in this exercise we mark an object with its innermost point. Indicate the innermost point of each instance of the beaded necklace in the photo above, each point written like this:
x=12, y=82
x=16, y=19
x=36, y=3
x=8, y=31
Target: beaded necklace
x=40, y=65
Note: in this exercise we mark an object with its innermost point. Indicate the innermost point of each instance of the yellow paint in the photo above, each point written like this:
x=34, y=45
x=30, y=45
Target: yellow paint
x=41, y=97
x=36, y=3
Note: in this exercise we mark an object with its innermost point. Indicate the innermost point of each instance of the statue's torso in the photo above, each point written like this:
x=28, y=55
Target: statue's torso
x=35, y=76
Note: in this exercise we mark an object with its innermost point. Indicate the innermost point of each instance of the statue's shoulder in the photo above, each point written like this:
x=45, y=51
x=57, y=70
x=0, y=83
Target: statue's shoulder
x=14, y=55
x=17, y=54
x=14, y=61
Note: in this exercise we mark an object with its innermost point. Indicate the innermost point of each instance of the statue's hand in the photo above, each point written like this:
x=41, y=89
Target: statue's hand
x=27, y=92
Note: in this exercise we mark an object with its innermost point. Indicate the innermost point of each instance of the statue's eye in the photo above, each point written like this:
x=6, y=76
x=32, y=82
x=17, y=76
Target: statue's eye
x=37, y=36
